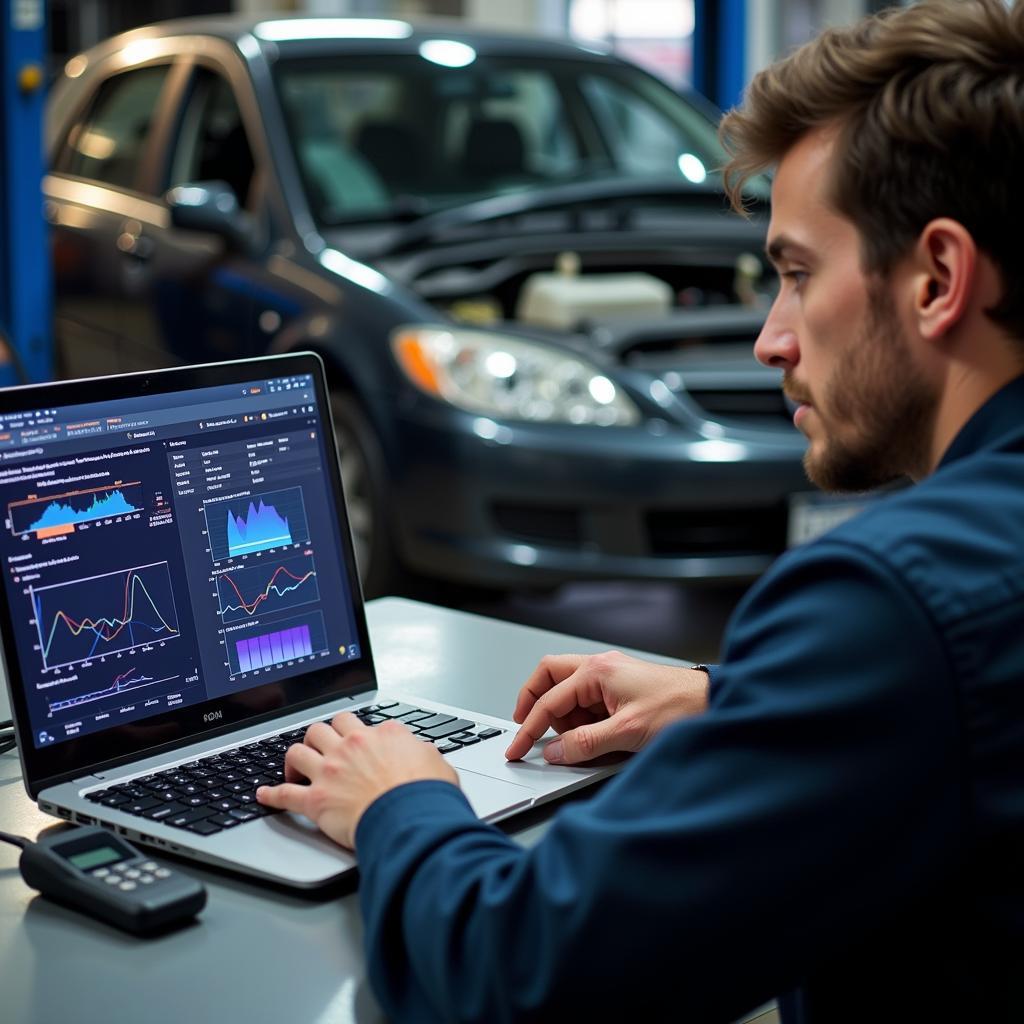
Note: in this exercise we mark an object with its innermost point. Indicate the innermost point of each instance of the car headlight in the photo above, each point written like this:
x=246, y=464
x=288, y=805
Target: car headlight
x=510, y=378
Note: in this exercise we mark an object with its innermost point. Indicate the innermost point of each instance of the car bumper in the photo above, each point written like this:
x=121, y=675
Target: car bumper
x=503, y=505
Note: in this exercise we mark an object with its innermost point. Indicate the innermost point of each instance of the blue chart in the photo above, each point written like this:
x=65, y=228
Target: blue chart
x=101, y=615
x=59, y=513
x=272, y=585
x=264, y=521
x=285, y=641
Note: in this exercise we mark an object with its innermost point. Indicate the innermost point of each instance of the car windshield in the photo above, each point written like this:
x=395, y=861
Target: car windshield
x=399, y=136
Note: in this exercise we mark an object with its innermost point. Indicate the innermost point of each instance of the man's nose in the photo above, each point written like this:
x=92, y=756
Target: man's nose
x=776, y=345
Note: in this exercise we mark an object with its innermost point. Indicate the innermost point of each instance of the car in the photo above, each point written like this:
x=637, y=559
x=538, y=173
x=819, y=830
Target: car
x=512, y=253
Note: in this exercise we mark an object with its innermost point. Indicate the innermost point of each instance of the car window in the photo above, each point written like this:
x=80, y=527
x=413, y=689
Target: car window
x=402, y=136
x=108, y=145
x=212, y=144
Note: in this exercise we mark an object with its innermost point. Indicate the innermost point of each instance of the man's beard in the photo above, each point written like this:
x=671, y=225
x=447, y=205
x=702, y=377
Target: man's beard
x=875, y=388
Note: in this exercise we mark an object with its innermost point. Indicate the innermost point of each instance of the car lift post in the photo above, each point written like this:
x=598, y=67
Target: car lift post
x=26, y=289
x=720, y=50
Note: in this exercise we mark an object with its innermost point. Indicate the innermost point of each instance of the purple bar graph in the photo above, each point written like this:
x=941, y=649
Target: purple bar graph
x=273, y=648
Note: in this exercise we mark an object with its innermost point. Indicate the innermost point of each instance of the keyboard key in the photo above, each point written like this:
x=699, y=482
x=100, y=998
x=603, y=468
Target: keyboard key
x=204, y=827
x=428, y=723
x=187, y=817
x=486, y=734
x=225, y=821
x=139, y=806
x=449, y=747
x=399, y=710
x=164, y=811
x=440, y=731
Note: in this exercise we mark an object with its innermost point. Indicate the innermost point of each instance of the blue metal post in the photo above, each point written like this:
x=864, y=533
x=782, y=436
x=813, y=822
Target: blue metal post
x=720, y=50
x=26, y=290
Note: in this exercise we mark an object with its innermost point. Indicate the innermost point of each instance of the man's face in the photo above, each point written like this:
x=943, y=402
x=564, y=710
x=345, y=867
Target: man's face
x=865, y=404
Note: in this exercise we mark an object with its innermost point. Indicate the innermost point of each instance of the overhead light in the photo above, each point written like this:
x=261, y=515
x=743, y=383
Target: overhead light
x=692, y=168
x=447, y=52
x=332, y=28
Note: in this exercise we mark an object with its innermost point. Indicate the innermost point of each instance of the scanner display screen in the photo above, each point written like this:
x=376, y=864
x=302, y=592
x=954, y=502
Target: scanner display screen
x=86, y=860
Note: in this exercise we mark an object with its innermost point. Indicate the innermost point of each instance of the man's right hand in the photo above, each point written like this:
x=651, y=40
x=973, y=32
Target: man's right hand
x=601, y=703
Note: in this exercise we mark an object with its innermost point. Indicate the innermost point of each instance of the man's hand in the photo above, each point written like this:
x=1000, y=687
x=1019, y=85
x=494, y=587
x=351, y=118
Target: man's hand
x=348, y=765
x=602, y=703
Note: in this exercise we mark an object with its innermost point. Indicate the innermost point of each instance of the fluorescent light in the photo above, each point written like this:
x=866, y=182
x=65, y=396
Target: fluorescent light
x=693, y=168
x=448, y=53
x=332, y=28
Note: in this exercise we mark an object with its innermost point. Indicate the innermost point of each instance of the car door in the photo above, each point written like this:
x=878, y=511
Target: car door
x=213, y=297
x=95, y=205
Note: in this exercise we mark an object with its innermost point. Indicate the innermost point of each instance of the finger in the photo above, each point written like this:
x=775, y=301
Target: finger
x=551, y=670
x=559, y=703
x=576, y=746
x=346, y=723
x=300, y=762
x=286, y=797
x=320, y=736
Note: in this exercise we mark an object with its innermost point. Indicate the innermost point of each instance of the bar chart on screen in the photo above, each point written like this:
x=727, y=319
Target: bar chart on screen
x=266, y=646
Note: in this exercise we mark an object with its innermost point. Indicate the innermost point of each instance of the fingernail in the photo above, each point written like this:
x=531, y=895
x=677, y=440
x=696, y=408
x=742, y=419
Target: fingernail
x=553, y=752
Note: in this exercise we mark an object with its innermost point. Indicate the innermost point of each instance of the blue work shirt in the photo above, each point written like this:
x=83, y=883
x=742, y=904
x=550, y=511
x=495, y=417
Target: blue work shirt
x=842, y=829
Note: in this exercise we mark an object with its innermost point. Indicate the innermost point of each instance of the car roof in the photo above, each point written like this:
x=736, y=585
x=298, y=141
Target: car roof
x=307, y=35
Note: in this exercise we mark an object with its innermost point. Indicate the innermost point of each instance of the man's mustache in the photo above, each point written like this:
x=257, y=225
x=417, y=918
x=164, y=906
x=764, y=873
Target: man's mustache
x=794, y=391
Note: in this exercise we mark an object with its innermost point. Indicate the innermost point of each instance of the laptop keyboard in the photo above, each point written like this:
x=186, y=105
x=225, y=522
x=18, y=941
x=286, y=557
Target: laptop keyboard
x=218, y=792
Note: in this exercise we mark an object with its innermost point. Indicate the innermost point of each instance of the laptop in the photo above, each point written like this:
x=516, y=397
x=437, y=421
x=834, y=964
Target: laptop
x=180, y=601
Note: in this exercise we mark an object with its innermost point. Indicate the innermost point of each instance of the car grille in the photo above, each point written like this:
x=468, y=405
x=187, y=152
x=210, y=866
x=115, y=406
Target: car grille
x=676, y=532
x=539, y=523
x=755, y=408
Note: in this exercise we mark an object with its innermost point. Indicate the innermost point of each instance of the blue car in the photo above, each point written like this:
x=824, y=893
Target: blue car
x=513, y=255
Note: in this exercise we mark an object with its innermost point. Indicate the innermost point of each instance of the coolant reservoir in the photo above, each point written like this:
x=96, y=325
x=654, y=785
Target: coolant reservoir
x=565, y=298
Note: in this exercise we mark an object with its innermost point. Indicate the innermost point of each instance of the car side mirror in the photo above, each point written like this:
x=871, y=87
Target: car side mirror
x=212, y=206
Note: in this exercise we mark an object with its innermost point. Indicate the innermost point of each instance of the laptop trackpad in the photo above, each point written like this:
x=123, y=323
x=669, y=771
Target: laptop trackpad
x=489, y=797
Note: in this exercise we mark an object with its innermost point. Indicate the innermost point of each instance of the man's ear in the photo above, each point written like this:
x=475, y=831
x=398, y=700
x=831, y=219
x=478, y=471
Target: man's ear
x=945, y=264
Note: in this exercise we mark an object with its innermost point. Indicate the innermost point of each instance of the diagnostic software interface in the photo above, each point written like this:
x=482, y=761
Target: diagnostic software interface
x=163, y=551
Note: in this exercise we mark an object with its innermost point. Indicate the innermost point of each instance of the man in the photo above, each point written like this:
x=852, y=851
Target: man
x=843, y=826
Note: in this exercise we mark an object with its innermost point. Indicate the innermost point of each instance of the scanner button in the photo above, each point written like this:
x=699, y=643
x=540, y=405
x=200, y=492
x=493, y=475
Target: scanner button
x=162, y=873
x=100, y=873
x=112, y=880
x=132, y=873
x=147, y=879
x=126, y=886
x=149, y=865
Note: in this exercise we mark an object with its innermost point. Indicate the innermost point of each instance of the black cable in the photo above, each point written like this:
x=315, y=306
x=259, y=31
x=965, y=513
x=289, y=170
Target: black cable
x=6, y=837
x=6, y=745
x=9, y=724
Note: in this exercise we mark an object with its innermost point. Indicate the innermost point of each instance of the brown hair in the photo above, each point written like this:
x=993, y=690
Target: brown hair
x=929, y=101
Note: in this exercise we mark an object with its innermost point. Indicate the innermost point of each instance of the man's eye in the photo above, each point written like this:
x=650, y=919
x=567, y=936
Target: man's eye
x=796, y=276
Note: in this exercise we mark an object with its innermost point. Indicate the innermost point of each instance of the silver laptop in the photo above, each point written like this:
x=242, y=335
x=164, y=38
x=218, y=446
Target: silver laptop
x=181, y=600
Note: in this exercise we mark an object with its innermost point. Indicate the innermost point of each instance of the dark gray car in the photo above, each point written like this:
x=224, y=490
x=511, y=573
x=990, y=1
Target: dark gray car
x=512, y=253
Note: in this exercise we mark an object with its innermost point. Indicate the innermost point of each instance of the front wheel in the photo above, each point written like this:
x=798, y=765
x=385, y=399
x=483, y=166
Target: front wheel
x=363, y=478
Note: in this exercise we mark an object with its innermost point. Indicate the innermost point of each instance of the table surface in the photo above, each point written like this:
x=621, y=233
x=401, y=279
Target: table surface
x=256, y=953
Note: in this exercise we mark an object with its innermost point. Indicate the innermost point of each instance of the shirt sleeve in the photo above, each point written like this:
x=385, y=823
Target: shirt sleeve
x=821, y=790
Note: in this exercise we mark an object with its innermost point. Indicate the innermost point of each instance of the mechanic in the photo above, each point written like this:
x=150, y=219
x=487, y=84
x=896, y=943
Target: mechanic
x=838, y=820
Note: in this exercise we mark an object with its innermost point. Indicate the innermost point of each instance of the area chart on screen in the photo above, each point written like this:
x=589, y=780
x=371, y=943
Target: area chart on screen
x=55, y=514
x=261, y=522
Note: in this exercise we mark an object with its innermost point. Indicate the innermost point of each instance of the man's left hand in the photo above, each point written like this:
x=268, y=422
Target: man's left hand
x=348, y=765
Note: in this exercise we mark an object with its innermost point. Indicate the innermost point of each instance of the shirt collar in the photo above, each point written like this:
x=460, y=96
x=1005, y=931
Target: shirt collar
x=1001, y=415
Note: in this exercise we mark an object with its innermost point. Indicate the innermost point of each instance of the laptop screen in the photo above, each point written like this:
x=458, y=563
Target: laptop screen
x=175, y=558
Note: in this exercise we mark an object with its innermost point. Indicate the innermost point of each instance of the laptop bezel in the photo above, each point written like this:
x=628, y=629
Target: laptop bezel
x=75, y=758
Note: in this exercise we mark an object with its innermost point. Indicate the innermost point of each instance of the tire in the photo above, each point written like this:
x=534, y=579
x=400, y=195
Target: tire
x=364, y=480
